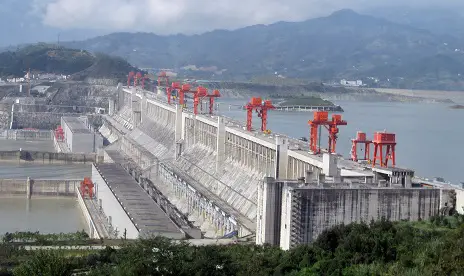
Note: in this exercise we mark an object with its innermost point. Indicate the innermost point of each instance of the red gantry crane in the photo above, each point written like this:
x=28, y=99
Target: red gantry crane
x=130, y=77
x=87, y=187
x=163, y=77
x=185, y=88
x=200, y=93
x=137, y=77
x=321, y=118
x=388, y=140
x=145, y=77
x=261, y=107
x=215, y=94
x=360, y=139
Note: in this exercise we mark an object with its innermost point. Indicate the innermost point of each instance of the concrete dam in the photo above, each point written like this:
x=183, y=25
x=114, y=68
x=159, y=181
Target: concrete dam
x=213, y=170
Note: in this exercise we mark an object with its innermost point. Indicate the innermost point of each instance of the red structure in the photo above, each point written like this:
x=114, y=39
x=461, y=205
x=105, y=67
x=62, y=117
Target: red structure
x=321, y=118
x=197, y=96
x=215, y=94
x=388, y=140
x=137, y=77
x=261, y=108
x=360, y=139
x=87, y=187
x=59, y=134
x=143, y=81
x=185, y=88
x=130, y=77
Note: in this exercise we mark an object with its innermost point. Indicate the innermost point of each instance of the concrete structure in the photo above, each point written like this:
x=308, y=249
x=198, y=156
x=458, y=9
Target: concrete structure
x=129, y=209
x=38, y=187
x=211, y=168
x=297, y=212
x=78, y=136
x=39, y=157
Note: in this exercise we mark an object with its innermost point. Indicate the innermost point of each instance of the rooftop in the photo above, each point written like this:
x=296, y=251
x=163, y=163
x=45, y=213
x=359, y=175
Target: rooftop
x=146, y=215
x=76, y=125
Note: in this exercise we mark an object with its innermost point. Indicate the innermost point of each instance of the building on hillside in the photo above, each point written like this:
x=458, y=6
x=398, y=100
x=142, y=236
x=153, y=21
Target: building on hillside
x=356, y=83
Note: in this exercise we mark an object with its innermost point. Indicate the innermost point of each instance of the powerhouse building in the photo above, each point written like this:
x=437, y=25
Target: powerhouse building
x=297, y=212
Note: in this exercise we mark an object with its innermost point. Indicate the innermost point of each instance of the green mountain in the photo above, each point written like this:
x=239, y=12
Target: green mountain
x=343, y=45
x=47, y=58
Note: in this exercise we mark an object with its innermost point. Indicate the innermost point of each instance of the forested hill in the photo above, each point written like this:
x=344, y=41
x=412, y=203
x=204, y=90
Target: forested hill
x=47, y=58
x=343, y=45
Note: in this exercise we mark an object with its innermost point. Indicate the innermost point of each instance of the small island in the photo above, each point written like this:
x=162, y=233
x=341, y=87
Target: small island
x=306, y=103
x=457, y=106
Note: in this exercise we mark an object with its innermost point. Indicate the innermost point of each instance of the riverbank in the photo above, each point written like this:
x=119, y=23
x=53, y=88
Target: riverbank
x=457, y=106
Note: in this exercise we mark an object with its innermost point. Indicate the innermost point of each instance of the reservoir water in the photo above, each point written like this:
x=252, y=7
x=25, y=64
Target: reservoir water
x=46, y=215
x=429, y=136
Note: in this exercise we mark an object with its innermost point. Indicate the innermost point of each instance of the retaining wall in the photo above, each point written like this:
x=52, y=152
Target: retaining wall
x=93, y=232
x=38, y=187
x=49, y=157
x=21, y=134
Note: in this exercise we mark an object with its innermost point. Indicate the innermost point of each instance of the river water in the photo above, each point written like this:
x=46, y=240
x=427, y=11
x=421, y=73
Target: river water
x=429, y=136
x=46, y=215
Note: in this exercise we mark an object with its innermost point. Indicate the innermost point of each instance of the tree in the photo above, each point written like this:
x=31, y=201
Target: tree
x=50, y=263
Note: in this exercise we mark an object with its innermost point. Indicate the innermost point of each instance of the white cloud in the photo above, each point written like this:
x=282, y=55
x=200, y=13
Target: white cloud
x=187, y=16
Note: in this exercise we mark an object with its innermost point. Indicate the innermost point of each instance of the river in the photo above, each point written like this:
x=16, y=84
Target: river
x=46, y=215
x=429, y=136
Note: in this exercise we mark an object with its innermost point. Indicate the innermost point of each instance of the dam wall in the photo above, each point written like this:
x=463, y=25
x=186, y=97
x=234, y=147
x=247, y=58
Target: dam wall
x=193, y=158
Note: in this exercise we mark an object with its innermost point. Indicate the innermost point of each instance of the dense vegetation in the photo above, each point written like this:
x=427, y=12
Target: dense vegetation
x=45, y=58
x=434, y=247
x=342, y=45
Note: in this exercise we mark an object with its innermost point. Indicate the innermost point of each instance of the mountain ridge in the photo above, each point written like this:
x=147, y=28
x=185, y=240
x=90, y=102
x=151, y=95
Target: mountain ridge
x=345, y=44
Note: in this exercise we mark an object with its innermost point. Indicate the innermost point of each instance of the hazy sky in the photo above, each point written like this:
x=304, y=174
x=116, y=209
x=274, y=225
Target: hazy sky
x=192, y=16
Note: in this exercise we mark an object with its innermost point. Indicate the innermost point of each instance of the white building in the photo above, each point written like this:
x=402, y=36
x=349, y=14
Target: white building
x=355, y=83
x=78, y=136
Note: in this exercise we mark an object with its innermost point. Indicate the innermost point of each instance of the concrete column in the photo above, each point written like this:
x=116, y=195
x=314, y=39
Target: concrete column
x=178, y=130
x=269, y=212
x=329, y=164
x=408, y=181
x=132, y=96
x=29, y=187
x=143, y=107
x=281, y=164
x=111, y=106
x=220, y=143
x=121, y=95
x=159, y=90
x=137, y=118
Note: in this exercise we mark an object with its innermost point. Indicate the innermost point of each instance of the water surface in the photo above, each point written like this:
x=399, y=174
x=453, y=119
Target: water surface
x=46, y=215
x=429, y=136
